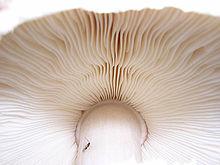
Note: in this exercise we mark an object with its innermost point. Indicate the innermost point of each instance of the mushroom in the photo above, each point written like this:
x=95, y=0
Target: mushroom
x=78, y=87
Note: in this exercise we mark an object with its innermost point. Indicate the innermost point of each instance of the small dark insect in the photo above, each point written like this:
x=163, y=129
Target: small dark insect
x=87, y=145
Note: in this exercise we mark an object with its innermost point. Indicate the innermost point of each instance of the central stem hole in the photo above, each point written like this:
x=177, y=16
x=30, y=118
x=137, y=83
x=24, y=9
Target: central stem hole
x=110, y=132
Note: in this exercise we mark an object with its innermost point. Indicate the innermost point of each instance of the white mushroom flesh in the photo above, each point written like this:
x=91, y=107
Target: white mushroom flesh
x=163, y=63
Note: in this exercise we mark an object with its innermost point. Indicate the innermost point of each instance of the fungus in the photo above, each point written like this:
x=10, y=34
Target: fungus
x=79, y=87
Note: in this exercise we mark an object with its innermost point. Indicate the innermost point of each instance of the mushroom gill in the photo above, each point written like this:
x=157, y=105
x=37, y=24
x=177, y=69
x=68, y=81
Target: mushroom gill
x=162, y=64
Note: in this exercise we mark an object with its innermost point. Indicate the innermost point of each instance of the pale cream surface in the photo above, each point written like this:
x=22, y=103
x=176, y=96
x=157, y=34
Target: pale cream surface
x=163, y=63
x=114, y=133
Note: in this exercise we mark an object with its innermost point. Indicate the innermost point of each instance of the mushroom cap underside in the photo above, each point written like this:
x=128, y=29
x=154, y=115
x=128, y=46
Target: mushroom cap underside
x=163, y=63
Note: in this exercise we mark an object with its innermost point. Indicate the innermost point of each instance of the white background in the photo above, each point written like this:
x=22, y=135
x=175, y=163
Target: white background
x=18, y=11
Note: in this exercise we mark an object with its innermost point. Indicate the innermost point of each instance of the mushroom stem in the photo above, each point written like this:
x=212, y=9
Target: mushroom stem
x=109, y=133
